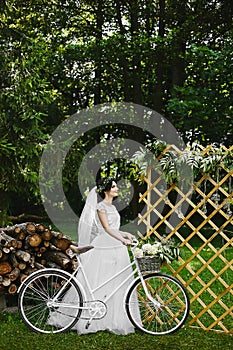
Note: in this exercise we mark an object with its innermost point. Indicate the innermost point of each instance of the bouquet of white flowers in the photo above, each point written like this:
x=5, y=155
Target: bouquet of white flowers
x=163, y=251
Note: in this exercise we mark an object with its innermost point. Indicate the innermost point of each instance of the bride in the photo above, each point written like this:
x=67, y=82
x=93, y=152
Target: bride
x=99, y=226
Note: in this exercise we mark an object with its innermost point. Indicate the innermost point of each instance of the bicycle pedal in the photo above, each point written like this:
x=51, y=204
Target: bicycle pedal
x=87, y=325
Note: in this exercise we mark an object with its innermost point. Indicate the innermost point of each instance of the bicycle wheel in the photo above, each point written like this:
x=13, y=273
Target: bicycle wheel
x=165, y=311
x=36, y=306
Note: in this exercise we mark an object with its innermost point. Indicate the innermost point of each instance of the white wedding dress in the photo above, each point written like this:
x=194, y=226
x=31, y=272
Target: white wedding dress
x=108, y=257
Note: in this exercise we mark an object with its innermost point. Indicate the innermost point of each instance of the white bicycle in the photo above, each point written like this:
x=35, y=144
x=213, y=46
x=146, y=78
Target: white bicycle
x=162, y=301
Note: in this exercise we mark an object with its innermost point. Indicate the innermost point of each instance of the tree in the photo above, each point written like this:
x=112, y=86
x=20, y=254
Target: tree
x=60, y=57
x=205, y=98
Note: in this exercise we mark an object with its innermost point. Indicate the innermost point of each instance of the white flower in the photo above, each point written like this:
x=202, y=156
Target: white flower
x=138, y=253
x=165, y=250
x=146, y=248
x=155, y=249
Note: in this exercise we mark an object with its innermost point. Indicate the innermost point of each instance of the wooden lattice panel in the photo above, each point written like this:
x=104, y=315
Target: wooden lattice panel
x=205, y=232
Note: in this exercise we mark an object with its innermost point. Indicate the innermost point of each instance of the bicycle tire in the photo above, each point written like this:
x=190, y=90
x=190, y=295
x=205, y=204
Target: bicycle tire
x=34, y=298
x=169, y=311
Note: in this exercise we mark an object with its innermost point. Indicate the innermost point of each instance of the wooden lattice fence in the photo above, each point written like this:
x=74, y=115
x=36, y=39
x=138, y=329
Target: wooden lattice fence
x=205, y=232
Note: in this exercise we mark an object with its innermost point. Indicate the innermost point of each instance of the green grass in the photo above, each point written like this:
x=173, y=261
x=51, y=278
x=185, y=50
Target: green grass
x=15, y=335
x=208, y=277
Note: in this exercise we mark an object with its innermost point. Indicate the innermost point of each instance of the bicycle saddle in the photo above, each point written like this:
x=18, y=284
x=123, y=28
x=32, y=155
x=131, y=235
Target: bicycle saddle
x=80, y=250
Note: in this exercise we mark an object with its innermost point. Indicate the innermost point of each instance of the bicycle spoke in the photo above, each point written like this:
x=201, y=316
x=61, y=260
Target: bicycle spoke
x=164, y=309
x=36, y=305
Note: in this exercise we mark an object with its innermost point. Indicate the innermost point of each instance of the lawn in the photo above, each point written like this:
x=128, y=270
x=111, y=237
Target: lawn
x=15, y=335
x=207, y=276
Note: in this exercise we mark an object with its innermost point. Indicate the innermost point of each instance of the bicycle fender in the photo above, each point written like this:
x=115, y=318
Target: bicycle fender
x=36, y=272
x=48, y=270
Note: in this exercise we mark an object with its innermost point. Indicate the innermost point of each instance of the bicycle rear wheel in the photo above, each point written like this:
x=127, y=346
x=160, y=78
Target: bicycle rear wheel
x=36, y=306
x=166, y=312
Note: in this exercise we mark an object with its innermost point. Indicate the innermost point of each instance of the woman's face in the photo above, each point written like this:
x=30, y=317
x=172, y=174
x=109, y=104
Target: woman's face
x=113, y=192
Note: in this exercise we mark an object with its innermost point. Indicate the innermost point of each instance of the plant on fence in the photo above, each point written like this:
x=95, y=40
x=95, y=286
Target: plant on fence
x=227, y=160
x=170, y=162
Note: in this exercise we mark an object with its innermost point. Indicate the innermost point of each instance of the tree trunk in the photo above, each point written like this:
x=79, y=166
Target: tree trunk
x=34, y=240
x=98, y=63
x=38, y=249
x=62, y=243
x=25, y=217
x=5, y=267
x=136, y=59
x=41, y=228
x=123, y=60
x=46, y=235
x=12, y=289
x=58, y=257
x=7, y=240
x=4, y=206
x=24, y=256
x=14, y=274
x=157, y=95
x=6, y=281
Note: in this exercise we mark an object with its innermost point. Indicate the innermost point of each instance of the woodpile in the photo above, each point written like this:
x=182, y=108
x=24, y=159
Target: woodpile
x=27, y=247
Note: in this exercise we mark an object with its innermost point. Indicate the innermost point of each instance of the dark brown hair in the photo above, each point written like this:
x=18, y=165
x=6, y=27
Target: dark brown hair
x=104, y=185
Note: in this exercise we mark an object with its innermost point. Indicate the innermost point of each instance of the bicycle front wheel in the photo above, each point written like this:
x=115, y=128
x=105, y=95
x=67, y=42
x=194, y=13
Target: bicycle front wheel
x=36, y=302
x=164, y=311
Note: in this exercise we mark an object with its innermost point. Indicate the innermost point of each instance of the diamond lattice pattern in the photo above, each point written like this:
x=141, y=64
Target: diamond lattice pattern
x=201, y=219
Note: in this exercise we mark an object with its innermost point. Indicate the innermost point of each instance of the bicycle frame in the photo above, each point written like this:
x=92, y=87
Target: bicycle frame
x=91, y=291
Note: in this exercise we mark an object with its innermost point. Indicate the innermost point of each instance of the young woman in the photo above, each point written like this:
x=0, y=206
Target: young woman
x=109, y=256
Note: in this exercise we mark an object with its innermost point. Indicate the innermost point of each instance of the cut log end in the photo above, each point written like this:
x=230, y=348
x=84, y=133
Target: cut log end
x=28, y=247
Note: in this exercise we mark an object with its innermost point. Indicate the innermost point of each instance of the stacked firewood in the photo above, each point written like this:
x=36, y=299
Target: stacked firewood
x=27, y=247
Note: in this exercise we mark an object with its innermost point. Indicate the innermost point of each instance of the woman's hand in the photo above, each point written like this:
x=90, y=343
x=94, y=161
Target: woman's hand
x=126, y=241
x=128, y=236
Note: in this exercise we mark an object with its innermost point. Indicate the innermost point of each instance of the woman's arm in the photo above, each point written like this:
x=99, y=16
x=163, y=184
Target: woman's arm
x=114, y=233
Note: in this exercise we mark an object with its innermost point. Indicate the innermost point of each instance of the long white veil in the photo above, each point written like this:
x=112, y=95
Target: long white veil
x=86, y=234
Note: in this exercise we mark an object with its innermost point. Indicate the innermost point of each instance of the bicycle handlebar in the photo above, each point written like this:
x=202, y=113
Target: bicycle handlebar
x=134, y=243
